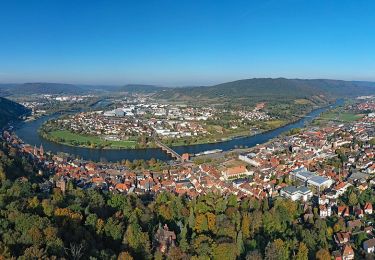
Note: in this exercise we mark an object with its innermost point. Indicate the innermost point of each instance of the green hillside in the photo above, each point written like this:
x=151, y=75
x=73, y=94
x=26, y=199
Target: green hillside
x=10, y=110
x=268, y=89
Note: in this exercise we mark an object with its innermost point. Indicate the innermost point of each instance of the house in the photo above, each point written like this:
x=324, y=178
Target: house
x=235, y=172
x=368, y=229
x=164, y=238
x=342, y=238
x=358, y=212
x=354, y=224
x=341, y=188
x=347, y=252
x=323, y=200
x=325, y=211
x=343, y=211
x=368, y=208
x=336, y=255
x=248, y=158
x=369, y=246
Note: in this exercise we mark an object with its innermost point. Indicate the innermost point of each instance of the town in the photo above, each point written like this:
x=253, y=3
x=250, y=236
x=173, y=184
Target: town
x=135, y=123
x=328, y=169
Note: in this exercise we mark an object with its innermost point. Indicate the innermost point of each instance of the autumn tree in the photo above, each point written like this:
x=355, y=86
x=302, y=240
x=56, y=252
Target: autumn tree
x=302, y=253
x=201, y=223
x=277, y=250
x=124, y=256
x=254, y=255
x=225, y=251
x=323, y=254
x=245, y=225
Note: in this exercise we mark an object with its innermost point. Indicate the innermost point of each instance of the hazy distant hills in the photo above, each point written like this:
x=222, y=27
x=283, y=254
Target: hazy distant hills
x=10, y=110
x=41, y=88
x=268, y=88
x=58, y=88
x=251, y=89
x=139, y=88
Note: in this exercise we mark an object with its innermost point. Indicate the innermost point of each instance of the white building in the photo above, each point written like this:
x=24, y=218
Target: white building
x=296, y=193
x=310, y=179
x=248, y=158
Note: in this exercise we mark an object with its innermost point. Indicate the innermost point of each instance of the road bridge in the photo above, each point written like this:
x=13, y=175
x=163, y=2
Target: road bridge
x=168, y=150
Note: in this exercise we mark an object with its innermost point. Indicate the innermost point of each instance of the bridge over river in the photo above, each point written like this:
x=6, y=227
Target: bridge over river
x=168, y=150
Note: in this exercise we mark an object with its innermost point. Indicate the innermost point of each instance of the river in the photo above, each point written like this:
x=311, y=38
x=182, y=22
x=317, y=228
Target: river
x=28, y=132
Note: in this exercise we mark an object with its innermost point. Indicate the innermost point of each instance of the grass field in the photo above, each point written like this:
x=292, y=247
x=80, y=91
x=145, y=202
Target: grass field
x=302, y=101
x=70, y=138
x=340, y=116
x=274, y=123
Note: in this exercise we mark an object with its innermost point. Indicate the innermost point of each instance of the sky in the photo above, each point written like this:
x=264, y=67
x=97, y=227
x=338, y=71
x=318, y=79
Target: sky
x=177, y=42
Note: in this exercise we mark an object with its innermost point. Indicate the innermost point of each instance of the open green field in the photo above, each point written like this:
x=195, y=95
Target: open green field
x=302, y=101
x=69, y=138
x=275, y=123
x=340, y=116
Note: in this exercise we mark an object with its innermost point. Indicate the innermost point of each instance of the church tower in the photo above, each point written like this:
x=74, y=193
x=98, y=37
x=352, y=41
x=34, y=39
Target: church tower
x=41, y=150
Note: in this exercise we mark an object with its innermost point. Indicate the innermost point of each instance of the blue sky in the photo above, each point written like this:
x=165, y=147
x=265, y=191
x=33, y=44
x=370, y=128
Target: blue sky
x=185, y=42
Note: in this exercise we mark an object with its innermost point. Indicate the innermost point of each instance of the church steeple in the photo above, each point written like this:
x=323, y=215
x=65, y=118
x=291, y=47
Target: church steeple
x=41, y=150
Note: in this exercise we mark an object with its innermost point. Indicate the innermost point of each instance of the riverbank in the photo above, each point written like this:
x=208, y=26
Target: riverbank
x=28, y=132
x=72, y=139
x=66, y=137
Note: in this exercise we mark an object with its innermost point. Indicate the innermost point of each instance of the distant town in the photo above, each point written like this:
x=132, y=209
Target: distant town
x=136, y=122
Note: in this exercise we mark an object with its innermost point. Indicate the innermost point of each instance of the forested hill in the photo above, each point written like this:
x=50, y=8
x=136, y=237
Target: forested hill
x=41, y=88
x=10, y=110
x=270, y=89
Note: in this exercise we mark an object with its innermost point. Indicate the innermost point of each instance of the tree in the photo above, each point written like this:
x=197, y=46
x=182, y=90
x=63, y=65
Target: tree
x=4, y=251
x=323, y=254
x=225, y=251
x=124, y=256
x=272, y=223
x=114, y=229
x=265, y=206
x=277, y=250
x=203, y=246
x=75, y=251
x=34, y=253
x=201, y=223
x=137, y=240
x=91, y=221
x=3, y=176
x=256, y=222
x=47, y=207
x=240, y=244
x=245, y=225
x=359, y=239
x=211, y=221
x=254, y=255
x=303, y=252
x=191, y=218
x=184, y=244
x=175, y=253
x=353, y=200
